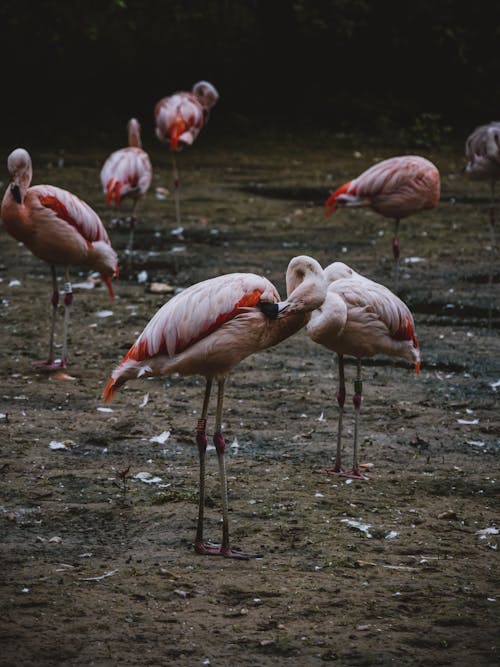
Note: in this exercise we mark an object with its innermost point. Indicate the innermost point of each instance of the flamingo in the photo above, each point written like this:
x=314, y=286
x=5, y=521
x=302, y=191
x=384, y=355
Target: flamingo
x=59, y=228
x=179, y=119
x=482, y=150
x=207, y=330
x=360, y=318
x=395, y=188
x=127, y=172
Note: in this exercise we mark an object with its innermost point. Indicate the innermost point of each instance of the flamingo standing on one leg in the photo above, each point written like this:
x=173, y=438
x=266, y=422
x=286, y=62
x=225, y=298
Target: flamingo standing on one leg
x=482, y=150
x=360, y=318
x=59, y=228
x=207, y=330
x=395, y=188
x=179, y=119
x=127, y=172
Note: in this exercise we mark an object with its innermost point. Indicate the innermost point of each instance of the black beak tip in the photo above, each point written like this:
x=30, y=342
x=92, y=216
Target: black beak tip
x=271, y=310
x=16, y=193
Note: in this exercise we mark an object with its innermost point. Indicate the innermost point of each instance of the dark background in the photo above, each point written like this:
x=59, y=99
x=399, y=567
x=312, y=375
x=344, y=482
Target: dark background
x=421, y=72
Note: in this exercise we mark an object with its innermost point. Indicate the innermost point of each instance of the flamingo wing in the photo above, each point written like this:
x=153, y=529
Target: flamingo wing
x=373, y=301
x=372, y=317
x=198, y=311
x=189, y=317
x=73, y=211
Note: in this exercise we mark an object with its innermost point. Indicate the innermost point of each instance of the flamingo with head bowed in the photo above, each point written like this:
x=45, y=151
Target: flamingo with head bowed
x=207, y=330
x=179, y=119
x=360, y=318
x=127, y=172
x=482, y=150
x=59, y=228
x=395, y=188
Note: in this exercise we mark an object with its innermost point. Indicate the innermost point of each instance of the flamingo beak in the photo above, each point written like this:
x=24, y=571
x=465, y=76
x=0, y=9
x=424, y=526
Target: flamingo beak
x=16, y=193
x=330, y=204
x=274, y=311
x=270, y=310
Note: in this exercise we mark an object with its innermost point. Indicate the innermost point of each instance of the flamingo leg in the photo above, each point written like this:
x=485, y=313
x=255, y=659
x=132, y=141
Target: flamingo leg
x=340, y=400
x=68, y=301
x=396, y=252
x=492, y=221
x=220, y=447
x=55, y=302
x=201, y=441
x=177, y=192
x=492, y=216
x=341, y=394
x=356, y=399
x=130, y=244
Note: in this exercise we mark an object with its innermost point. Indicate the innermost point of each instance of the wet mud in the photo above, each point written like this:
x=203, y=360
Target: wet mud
x=98, y=565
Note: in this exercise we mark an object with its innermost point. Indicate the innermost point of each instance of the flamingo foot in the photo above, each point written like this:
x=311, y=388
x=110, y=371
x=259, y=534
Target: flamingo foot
x=51, y=364
x=354, y=474
x=206, y=549
x=330, y=471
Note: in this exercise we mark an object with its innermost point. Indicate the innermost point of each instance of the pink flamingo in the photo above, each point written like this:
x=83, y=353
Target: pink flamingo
x=179, y=119
x=127, y=172
x=395, y=188
x=207, y=330
x=59, y=228
x=482, y=150
x=360, y=318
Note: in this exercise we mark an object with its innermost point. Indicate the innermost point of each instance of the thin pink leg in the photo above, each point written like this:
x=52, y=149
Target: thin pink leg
x=341, y=394
x=51, y=364
x=201, y=441
x=356, y=399
x=396, y=253
x=223, y=549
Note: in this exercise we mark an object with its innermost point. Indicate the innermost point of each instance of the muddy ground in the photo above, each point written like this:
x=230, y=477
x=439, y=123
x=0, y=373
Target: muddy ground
x=401, y=569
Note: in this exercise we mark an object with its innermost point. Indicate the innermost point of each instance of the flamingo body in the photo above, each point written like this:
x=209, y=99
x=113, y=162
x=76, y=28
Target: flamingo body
x=360, y=318
x=127, y=172
x=207, y=330
x=179, y=119
x=395, y=188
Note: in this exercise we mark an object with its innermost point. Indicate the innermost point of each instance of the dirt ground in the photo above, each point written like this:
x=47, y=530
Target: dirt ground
x=401, y=569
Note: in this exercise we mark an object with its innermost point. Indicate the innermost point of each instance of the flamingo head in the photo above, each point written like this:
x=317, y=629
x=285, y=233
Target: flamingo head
x=331, y=202
x=206, y=93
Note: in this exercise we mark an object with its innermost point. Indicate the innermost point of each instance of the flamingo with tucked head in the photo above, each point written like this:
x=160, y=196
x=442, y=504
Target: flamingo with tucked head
x=127, y=173
x=395, y=188
x=207, y=330
x=360, y=318
x=179, y=119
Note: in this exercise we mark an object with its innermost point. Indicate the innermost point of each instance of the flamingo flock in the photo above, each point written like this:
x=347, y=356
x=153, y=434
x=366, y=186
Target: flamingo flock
x=210, y=327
